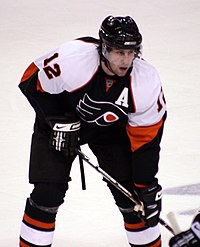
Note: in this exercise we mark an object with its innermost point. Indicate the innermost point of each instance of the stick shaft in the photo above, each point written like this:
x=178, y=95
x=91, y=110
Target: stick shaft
x=120, y=187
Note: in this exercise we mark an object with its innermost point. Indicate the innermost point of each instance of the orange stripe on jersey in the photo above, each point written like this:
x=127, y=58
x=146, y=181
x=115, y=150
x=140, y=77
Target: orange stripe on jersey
x=141, y=135
x=38, y=223
x=29, y=72
x=39, y=87
x=135, y=226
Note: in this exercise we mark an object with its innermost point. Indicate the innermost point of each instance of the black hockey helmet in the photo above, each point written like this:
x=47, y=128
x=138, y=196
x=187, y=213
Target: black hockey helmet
x=120, y=32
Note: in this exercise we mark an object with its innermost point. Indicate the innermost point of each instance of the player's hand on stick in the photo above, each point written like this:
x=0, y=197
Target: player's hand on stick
x=65, y=133
x=151, y=198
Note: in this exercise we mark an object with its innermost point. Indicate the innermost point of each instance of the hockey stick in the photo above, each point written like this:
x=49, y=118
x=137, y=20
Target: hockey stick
x=138, y=208
x=82, y=173
x=173, y=222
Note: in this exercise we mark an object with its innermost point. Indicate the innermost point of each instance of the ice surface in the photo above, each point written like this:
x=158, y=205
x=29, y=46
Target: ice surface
x=171, y=32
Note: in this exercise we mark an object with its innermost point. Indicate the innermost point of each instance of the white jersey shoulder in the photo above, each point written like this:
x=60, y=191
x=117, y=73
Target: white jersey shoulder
x=68, y=67
x=148, y=98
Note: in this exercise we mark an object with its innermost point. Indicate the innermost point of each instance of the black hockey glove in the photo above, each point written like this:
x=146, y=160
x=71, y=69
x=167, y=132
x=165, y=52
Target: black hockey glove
x=151, y=199
x=65, y=133
x=189, y=238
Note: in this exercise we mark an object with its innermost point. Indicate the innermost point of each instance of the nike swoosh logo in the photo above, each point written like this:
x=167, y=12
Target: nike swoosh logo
x=60, y=127
x=67, y=127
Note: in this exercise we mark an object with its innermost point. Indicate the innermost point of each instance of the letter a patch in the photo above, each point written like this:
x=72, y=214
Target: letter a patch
x=123, y=98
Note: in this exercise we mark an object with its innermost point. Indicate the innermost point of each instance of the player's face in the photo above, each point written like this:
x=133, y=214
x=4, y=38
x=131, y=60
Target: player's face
x=120, y=60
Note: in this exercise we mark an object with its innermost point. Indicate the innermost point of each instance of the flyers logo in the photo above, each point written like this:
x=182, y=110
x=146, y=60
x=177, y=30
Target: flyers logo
x=99, y=112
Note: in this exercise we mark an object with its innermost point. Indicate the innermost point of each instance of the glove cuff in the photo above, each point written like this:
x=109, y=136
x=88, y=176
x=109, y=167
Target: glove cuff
x=151, y=193
x=67, y=127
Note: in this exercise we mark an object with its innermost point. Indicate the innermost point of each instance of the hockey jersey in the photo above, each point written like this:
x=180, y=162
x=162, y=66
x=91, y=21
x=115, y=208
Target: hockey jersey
x=73, y=71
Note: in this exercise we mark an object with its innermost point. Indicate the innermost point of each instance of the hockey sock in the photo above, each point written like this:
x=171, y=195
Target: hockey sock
x=37, y=227
x=139, y=235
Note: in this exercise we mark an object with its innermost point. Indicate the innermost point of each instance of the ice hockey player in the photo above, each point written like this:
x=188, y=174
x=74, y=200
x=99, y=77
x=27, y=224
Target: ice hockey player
x=189, y=238
x=99, y=92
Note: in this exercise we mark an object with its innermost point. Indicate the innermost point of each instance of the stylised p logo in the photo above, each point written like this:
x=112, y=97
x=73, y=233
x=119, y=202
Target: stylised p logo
x=99, y=112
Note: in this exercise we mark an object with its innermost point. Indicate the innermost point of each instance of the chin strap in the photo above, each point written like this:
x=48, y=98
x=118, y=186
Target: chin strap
x=107, y=64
